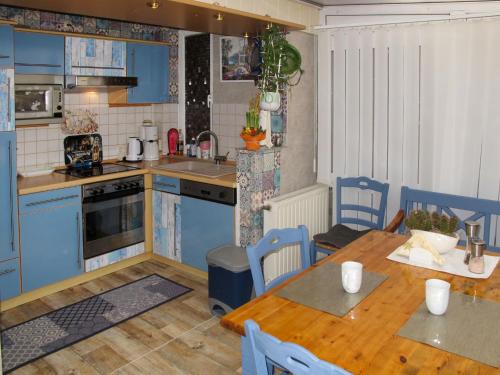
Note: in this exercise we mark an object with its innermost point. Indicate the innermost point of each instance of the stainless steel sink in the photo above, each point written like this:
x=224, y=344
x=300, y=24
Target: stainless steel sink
x=200, y=168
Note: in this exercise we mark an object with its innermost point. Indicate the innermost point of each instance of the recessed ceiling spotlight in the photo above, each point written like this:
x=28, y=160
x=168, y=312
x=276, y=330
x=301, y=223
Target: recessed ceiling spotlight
x=153, y=4
x=246, y=35
x=219, y=17
x=268, y=26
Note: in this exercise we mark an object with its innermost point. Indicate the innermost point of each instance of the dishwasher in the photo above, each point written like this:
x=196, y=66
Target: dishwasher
x=207, y=214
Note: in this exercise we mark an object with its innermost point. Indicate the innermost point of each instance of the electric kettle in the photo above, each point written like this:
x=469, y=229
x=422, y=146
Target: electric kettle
x=135, y=149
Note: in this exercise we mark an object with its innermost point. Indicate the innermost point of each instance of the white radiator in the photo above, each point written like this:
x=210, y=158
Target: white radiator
x=309, y=207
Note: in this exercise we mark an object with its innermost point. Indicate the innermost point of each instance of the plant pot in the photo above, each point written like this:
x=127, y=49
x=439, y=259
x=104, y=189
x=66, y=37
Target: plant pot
x=252, y=142
x=441, y=242
x=270, y=101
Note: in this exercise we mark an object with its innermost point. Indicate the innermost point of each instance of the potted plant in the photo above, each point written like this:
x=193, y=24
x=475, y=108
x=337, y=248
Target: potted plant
x=438, y=229
x=280, y=63
x=253, y=133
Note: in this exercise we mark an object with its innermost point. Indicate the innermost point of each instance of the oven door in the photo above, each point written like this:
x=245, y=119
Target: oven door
x=34, y=101
x=111, y=224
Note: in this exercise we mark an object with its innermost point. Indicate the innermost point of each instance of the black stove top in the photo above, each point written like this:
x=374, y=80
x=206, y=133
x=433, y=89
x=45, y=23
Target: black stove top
x=96, y=170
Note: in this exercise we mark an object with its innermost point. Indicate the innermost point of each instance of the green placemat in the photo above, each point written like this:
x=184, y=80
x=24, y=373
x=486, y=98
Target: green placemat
x=322, y=289
x=470, y=328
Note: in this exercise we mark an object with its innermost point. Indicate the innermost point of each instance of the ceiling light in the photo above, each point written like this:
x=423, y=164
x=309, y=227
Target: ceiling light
x=219, y=17
x=153, y=4
x=246, y=35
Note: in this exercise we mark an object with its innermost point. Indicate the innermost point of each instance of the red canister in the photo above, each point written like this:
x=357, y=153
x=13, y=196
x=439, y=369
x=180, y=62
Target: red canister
x=173, y=137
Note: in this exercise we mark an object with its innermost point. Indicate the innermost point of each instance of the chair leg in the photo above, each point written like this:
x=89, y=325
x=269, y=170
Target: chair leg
x=312, y=249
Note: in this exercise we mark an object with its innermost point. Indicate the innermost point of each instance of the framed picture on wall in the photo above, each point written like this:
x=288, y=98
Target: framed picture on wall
x=239, y=59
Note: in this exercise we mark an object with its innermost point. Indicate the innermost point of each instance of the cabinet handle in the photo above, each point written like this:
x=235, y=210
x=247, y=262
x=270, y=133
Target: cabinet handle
x=7, y=271
x=97, y=67
x=78, y=253
x=9, y=118
x=133, y=68
x=43, y=65
x=37, y=203
x=4, y=56
x=176, y=207
x=165, y=184
x=11, y=200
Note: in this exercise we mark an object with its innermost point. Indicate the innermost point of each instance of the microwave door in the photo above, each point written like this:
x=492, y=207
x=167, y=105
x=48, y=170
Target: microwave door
x=33, y=102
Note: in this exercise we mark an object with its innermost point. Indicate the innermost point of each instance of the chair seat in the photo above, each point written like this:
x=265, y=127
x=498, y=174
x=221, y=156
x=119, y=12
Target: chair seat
x=339, y=236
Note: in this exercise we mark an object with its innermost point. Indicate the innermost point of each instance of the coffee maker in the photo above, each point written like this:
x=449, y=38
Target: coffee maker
x=149, y=135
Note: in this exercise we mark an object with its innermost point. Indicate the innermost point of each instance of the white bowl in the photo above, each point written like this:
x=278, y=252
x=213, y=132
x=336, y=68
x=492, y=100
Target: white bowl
x=441, y=242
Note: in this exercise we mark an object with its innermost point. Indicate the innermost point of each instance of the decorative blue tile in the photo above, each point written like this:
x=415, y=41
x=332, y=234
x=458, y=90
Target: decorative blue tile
x=276, y=123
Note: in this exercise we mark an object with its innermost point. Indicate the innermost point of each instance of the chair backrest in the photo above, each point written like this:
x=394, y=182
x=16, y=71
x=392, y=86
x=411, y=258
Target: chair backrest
x=288, y=356
x=467, y=208
x=377, y=215
x=274, y=240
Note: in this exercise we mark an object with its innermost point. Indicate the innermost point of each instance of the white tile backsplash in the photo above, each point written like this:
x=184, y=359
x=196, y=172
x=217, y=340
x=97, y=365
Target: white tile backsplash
x=37, y=147
x=227, y=122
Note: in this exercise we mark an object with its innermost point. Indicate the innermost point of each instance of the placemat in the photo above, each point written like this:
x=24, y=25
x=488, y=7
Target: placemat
x=454, y=264
x=322, y=289
x=470, y=328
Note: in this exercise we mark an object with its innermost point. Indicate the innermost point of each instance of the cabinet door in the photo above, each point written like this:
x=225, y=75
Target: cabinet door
x=37, y=53
x=149, y=63
x=204, y=226
x=167, y=222
x=10, y=283
x=8, y=197
x=95, y=57
x=51, y=237
x=6, y=46
x=7, y=110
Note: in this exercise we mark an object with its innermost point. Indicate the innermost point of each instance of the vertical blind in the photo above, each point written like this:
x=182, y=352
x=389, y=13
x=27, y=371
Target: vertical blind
x=412, y=104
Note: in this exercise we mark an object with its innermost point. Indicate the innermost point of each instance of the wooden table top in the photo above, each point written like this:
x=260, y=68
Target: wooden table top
x=364, y=341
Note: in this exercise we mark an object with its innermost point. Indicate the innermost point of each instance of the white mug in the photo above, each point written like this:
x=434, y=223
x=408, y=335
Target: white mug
x=352, y=275
x=437, y=295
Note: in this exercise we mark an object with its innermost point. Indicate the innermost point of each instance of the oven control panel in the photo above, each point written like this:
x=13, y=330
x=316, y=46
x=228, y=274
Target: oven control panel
x=135, y=183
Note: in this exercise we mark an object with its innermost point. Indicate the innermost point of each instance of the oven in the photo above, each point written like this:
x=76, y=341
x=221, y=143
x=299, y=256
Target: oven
x=38, y=98
x=113, y=215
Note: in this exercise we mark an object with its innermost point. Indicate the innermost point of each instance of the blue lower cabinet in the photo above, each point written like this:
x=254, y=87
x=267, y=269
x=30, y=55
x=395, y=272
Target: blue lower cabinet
x=205, y=225
x=10, y=284
x=51, y=237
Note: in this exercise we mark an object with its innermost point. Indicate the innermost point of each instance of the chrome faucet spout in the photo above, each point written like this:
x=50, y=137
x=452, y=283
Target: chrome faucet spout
x=217, y=158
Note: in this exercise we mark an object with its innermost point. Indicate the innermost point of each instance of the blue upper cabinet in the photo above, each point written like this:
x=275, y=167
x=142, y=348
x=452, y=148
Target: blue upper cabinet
x=6, y=46
x=8, y=197
x=95, y=57
x=51, y=236
x=37, y=53
x=149, y=63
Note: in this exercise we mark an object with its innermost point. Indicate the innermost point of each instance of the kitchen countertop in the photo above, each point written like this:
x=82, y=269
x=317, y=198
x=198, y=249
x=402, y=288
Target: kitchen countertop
x=29, y=185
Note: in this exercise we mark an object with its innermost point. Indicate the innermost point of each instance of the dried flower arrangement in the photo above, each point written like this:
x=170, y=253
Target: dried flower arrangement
x=80, y=122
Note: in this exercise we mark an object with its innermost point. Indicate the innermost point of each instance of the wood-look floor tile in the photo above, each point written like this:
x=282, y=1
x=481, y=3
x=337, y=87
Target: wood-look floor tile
x=105, y=359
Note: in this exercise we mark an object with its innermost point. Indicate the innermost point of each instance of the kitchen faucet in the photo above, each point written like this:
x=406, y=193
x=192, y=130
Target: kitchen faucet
x=217, y=158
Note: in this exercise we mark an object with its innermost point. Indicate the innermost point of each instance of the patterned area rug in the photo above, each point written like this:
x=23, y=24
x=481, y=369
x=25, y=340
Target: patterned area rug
x=58, y=329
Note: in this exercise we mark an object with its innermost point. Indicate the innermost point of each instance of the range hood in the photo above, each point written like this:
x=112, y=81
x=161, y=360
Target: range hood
x=94, y=83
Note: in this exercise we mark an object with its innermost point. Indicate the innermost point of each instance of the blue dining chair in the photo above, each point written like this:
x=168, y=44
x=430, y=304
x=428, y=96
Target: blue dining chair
x=341, y=235
x=268, y=352
x=274, y=240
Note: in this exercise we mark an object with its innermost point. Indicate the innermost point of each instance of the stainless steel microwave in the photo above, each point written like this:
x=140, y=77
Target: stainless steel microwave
x=39, y=98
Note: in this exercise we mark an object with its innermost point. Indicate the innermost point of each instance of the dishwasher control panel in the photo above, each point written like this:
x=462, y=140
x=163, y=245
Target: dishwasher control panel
x=209, y=192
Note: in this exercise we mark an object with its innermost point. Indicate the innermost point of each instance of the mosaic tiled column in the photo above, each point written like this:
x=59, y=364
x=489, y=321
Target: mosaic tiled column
x=258, y=176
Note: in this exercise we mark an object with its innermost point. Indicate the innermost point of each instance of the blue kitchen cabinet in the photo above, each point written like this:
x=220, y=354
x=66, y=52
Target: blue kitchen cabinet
x=51, y=237
x=8, y=197
x=6, y=46
x=149, y=63
x=166, y=224
x=205, y=225
x=95, y=57
x=10, y=282
x=37, y=53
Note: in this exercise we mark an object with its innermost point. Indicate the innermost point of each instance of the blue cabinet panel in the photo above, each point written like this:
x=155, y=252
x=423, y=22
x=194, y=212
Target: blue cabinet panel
x=51, y=237
x=8, y=197
x=10, y=283
x=149, y=63
x=6, y=46
x=166, y=184
x=37, y=53
x=204, y=226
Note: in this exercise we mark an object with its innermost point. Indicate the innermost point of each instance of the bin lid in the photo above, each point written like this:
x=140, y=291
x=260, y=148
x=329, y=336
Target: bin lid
x=230, y=257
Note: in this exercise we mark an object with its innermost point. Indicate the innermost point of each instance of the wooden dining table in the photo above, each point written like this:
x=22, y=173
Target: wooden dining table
x=365, y=340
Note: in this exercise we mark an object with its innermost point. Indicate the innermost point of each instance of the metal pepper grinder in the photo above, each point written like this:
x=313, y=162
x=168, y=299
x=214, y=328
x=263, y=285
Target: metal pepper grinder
x=476, y=261
x=471, y=231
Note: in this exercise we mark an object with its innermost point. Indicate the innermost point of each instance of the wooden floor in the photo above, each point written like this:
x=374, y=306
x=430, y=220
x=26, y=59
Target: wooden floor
x=178, y=337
